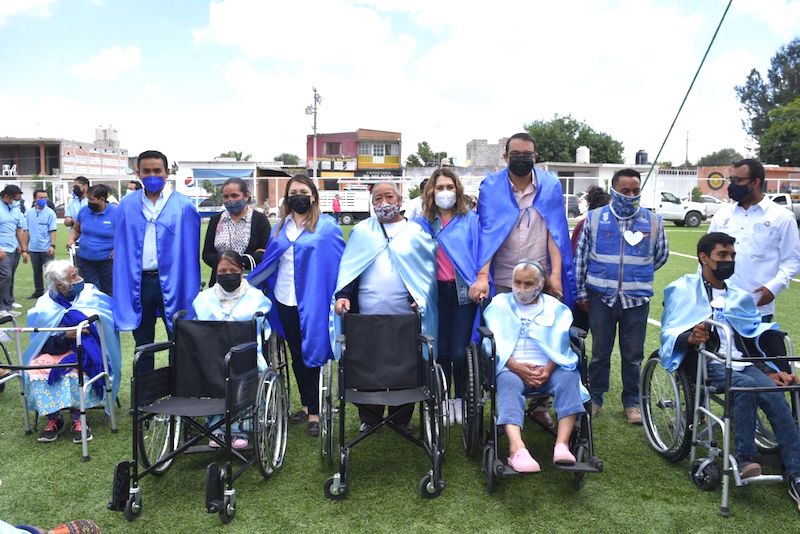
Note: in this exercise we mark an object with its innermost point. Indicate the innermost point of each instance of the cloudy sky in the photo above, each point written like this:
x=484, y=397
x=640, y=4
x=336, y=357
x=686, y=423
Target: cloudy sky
x=195, y=78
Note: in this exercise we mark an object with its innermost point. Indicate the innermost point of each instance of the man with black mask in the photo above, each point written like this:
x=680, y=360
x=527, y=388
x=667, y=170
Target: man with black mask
x=80, y=186
x=766, y=236
x=711, y=293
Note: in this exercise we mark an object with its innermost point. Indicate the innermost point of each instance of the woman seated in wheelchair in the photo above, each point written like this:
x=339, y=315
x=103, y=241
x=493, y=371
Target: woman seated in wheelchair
x=232, y=299
x=531, y=333
x=68, y=302
x=692, y=299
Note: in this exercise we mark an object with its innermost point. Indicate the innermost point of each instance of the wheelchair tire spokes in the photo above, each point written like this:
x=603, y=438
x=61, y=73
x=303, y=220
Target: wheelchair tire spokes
x=766, y=442
x=270, y=429
x=327, y=413
x=472, y=407
x=159, y=435
x=667, y=409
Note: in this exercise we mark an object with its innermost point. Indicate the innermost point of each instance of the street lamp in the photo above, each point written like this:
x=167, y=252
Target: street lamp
x=312, y=110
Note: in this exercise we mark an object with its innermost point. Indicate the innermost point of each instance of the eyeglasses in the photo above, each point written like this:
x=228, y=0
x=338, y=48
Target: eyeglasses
x=516, y=154
x=737, y=180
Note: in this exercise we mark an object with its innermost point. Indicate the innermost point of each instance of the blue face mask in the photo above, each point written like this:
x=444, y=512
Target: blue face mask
x=75, y=290
x=236, y=206
x=624, y=207
x=153, y=184
x=14, y=204
x=41, y=202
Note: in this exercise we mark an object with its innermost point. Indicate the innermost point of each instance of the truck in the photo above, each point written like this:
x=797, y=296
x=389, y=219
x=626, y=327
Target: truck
x=355, y=204
x=680, y=212
x=786, y=200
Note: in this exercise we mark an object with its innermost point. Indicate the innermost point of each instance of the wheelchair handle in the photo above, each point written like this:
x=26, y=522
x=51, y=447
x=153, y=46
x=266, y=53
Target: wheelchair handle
x=485, y=332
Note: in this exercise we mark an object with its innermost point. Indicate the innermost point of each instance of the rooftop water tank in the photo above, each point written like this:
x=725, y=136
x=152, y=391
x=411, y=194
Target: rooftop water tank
x=582, y=154
x=641, y=157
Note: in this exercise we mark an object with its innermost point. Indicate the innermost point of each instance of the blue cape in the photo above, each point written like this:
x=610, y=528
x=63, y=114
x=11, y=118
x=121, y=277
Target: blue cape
x=178, y=244
x=316, y=264
x=498, y=211
x=686, y=304
x=460, y=241
x=207, y=307
x=48, y=314
x=412, y=252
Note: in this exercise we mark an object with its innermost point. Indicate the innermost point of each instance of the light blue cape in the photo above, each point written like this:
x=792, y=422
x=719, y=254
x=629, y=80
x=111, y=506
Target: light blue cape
x=412, y=252
x=48, y=314
x=686, y=304
x=316, y=265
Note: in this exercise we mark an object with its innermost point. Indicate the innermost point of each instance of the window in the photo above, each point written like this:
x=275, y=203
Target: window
x=378, y=150
x=364, y=149
x=333, y=149
x=669, y=197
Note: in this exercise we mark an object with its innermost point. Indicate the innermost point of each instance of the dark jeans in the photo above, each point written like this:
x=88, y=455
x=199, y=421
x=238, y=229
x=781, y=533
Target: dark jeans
x=307, y=378
x=372, y=414
x=14, y=274
x=455, y=330
x=767, y=318
x=38, y=261
x=603, y=322
x=7, y=265
x=99, y=273
x=744, y=415
x=152, y=304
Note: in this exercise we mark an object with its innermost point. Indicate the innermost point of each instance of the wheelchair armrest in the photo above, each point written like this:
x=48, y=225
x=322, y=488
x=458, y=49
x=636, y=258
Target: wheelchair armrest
x=180, y=314
x=6, y=319
x=244, y=347
x=485, y=332
x=155, y=347
x=578, y=332
x=425, y=338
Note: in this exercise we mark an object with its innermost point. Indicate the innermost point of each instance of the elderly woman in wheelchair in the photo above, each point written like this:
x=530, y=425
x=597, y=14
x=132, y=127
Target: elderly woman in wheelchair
x=531, y=332
x=713, y=332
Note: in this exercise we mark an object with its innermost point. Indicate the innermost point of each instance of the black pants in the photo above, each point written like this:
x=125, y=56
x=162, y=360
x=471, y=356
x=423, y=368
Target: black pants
x=152, y=303
x=307, y=378
x=372, y=414
x=38, y=261
x=99, y=273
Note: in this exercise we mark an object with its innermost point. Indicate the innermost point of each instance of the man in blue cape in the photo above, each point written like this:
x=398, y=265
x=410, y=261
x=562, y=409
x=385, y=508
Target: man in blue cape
x=156, y=253
x=388, y=267
x=692, y=299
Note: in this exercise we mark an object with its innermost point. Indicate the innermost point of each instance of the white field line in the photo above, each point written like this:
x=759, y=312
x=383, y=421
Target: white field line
x=673, y=253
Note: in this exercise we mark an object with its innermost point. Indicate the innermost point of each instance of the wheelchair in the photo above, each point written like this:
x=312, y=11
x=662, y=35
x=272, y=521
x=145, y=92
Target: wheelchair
x=212, y=370
x=481, y=390
x=385, y=360
x=105, y=377
x=679, y=420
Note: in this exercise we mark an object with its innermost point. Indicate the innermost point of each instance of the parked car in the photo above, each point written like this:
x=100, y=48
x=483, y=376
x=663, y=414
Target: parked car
x=680, y=212
x=571, y=206
x=713, y=204
x=785, y=200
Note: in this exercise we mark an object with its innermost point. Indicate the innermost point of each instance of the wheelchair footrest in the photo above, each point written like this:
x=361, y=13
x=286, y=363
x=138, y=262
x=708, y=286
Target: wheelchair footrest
x=121, y=486
x=214, y=488
x=580, y=467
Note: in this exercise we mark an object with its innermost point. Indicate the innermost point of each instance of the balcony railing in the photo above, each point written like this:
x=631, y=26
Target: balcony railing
x=378, y=162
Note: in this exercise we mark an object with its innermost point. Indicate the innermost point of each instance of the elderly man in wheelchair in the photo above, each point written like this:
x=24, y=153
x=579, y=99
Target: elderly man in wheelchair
x=705, y=317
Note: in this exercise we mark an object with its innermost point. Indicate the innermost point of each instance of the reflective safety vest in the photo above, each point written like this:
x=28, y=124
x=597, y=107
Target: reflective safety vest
x=619, y=265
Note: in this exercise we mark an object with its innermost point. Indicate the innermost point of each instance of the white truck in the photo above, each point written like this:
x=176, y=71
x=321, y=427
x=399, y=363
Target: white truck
x=355, y=204
x=786, y=200
x=680, y=212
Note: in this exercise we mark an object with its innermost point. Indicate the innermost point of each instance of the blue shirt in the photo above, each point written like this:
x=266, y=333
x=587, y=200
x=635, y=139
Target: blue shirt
x=10, y=220
x=40, y=224
x=74, y=206
x=151, y=212
x=97, y=232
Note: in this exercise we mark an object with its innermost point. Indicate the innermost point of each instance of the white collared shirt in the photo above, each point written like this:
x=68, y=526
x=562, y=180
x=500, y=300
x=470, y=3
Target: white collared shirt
x=767, y=246
x=284, y=285
x=151, y=212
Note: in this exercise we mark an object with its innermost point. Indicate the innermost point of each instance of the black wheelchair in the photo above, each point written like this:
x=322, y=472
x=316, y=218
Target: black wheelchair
x=385, y=360
x=212, y=370
x=481, y=389
x=678, y=416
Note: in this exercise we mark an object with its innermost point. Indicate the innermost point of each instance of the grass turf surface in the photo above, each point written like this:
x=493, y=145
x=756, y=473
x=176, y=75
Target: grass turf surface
x=44, y=484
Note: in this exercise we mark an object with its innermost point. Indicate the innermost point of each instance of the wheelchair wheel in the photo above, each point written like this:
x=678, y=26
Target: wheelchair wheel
x=766, y=442
x=444, y=409
x=472, y=408
x=280, y=363
x=8, y=360
x=707, y=478
x=132, y=509
x=270, y=427
x=427, y=489
x=333, y=489
x=327, y=413
x=159, y=435
x=667, y=401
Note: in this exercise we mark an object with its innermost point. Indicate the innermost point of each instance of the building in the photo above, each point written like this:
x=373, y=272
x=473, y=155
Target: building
x=779, y=179
x=481, y=153
x=354, y=158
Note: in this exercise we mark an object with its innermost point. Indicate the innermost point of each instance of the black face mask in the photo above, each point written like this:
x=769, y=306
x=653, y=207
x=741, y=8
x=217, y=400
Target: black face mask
x=299, y=203
x=520, y=165
x=229, y=282
x=724, y=270
x=95, y=207
x=77, y=191
x=738, y=192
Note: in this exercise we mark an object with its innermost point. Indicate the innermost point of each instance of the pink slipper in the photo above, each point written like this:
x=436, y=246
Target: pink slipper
x=562, y=456
x=240, y=443
x=523, y=462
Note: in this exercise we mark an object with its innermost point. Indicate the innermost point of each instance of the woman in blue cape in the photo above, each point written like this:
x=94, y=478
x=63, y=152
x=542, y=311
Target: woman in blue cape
x=68, y=302
x=454, y=227
x=232, y=299
x=299, y=272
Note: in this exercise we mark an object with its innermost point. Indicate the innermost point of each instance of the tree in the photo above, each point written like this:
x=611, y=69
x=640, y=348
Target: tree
x=287, y=159
x=780, y=143
x=237, y=156
x=558, y=139
x=214, y=192
x=759, y=97
x=425, y=156
x=174, y=168
x=721, y=157
x=697, y=194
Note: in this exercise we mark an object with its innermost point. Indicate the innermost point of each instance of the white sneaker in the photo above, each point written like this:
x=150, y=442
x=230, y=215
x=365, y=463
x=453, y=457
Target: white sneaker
x=16, y=305
x=12, y=313
x=457, y=410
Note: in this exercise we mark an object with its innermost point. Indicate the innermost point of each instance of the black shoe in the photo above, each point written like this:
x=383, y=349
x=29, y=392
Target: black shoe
x=51, y=431
x=313, y=429
x=35, y=295
x=298, y=417
x=794, y=491
x=76, y=432
x=406, y=428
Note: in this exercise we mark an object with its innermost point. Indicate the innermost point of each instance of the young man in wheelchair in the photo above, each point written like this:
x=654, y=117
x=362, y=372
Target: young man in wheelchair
x=534, y=357
x=693, y=298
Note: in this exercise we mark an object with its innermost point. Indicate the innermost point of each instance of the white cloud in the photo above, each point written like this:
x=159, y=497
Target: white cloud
x=10, y=8
x=108, y=65
x=151, y=88
x=782, y=17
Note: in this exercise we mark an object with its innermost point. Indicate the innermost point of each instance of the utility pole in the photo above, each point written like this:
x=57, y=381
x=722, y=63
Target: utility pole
x=312, y=110
x=686, y=158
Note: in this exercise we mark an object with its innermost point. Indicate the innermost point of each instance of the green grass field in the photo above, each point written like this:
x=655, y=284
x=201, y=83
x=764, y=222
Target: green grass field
x=44, y=484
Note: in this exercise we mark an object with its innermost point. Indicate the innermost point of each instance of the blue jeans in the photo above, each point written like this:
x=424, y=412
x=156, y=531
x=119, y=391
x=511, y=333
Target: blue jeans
x=99, y=273
x=455, y=330
x=632, y=329
x=512, y=391
x=744, y=415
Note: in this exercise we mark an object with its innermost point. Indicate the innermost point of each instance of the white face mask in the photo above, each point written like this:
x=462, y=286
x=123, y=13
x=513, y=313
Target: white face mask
x=445, y=199
x=526, y=296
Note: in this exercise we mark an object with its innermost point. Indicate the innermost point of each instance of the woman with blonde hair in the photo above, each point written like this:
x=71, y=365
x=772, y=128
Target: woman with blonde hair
x=299, y=271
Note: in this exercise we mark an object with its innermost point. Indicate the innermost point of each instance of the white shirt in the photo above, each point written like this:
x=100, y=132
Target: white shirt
x=767, y=246
x=413, y=208
x=228, y=300
x=381, y=290
x=527, y=349
x=717, y=304
x=151, y=212
x=284, y=284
